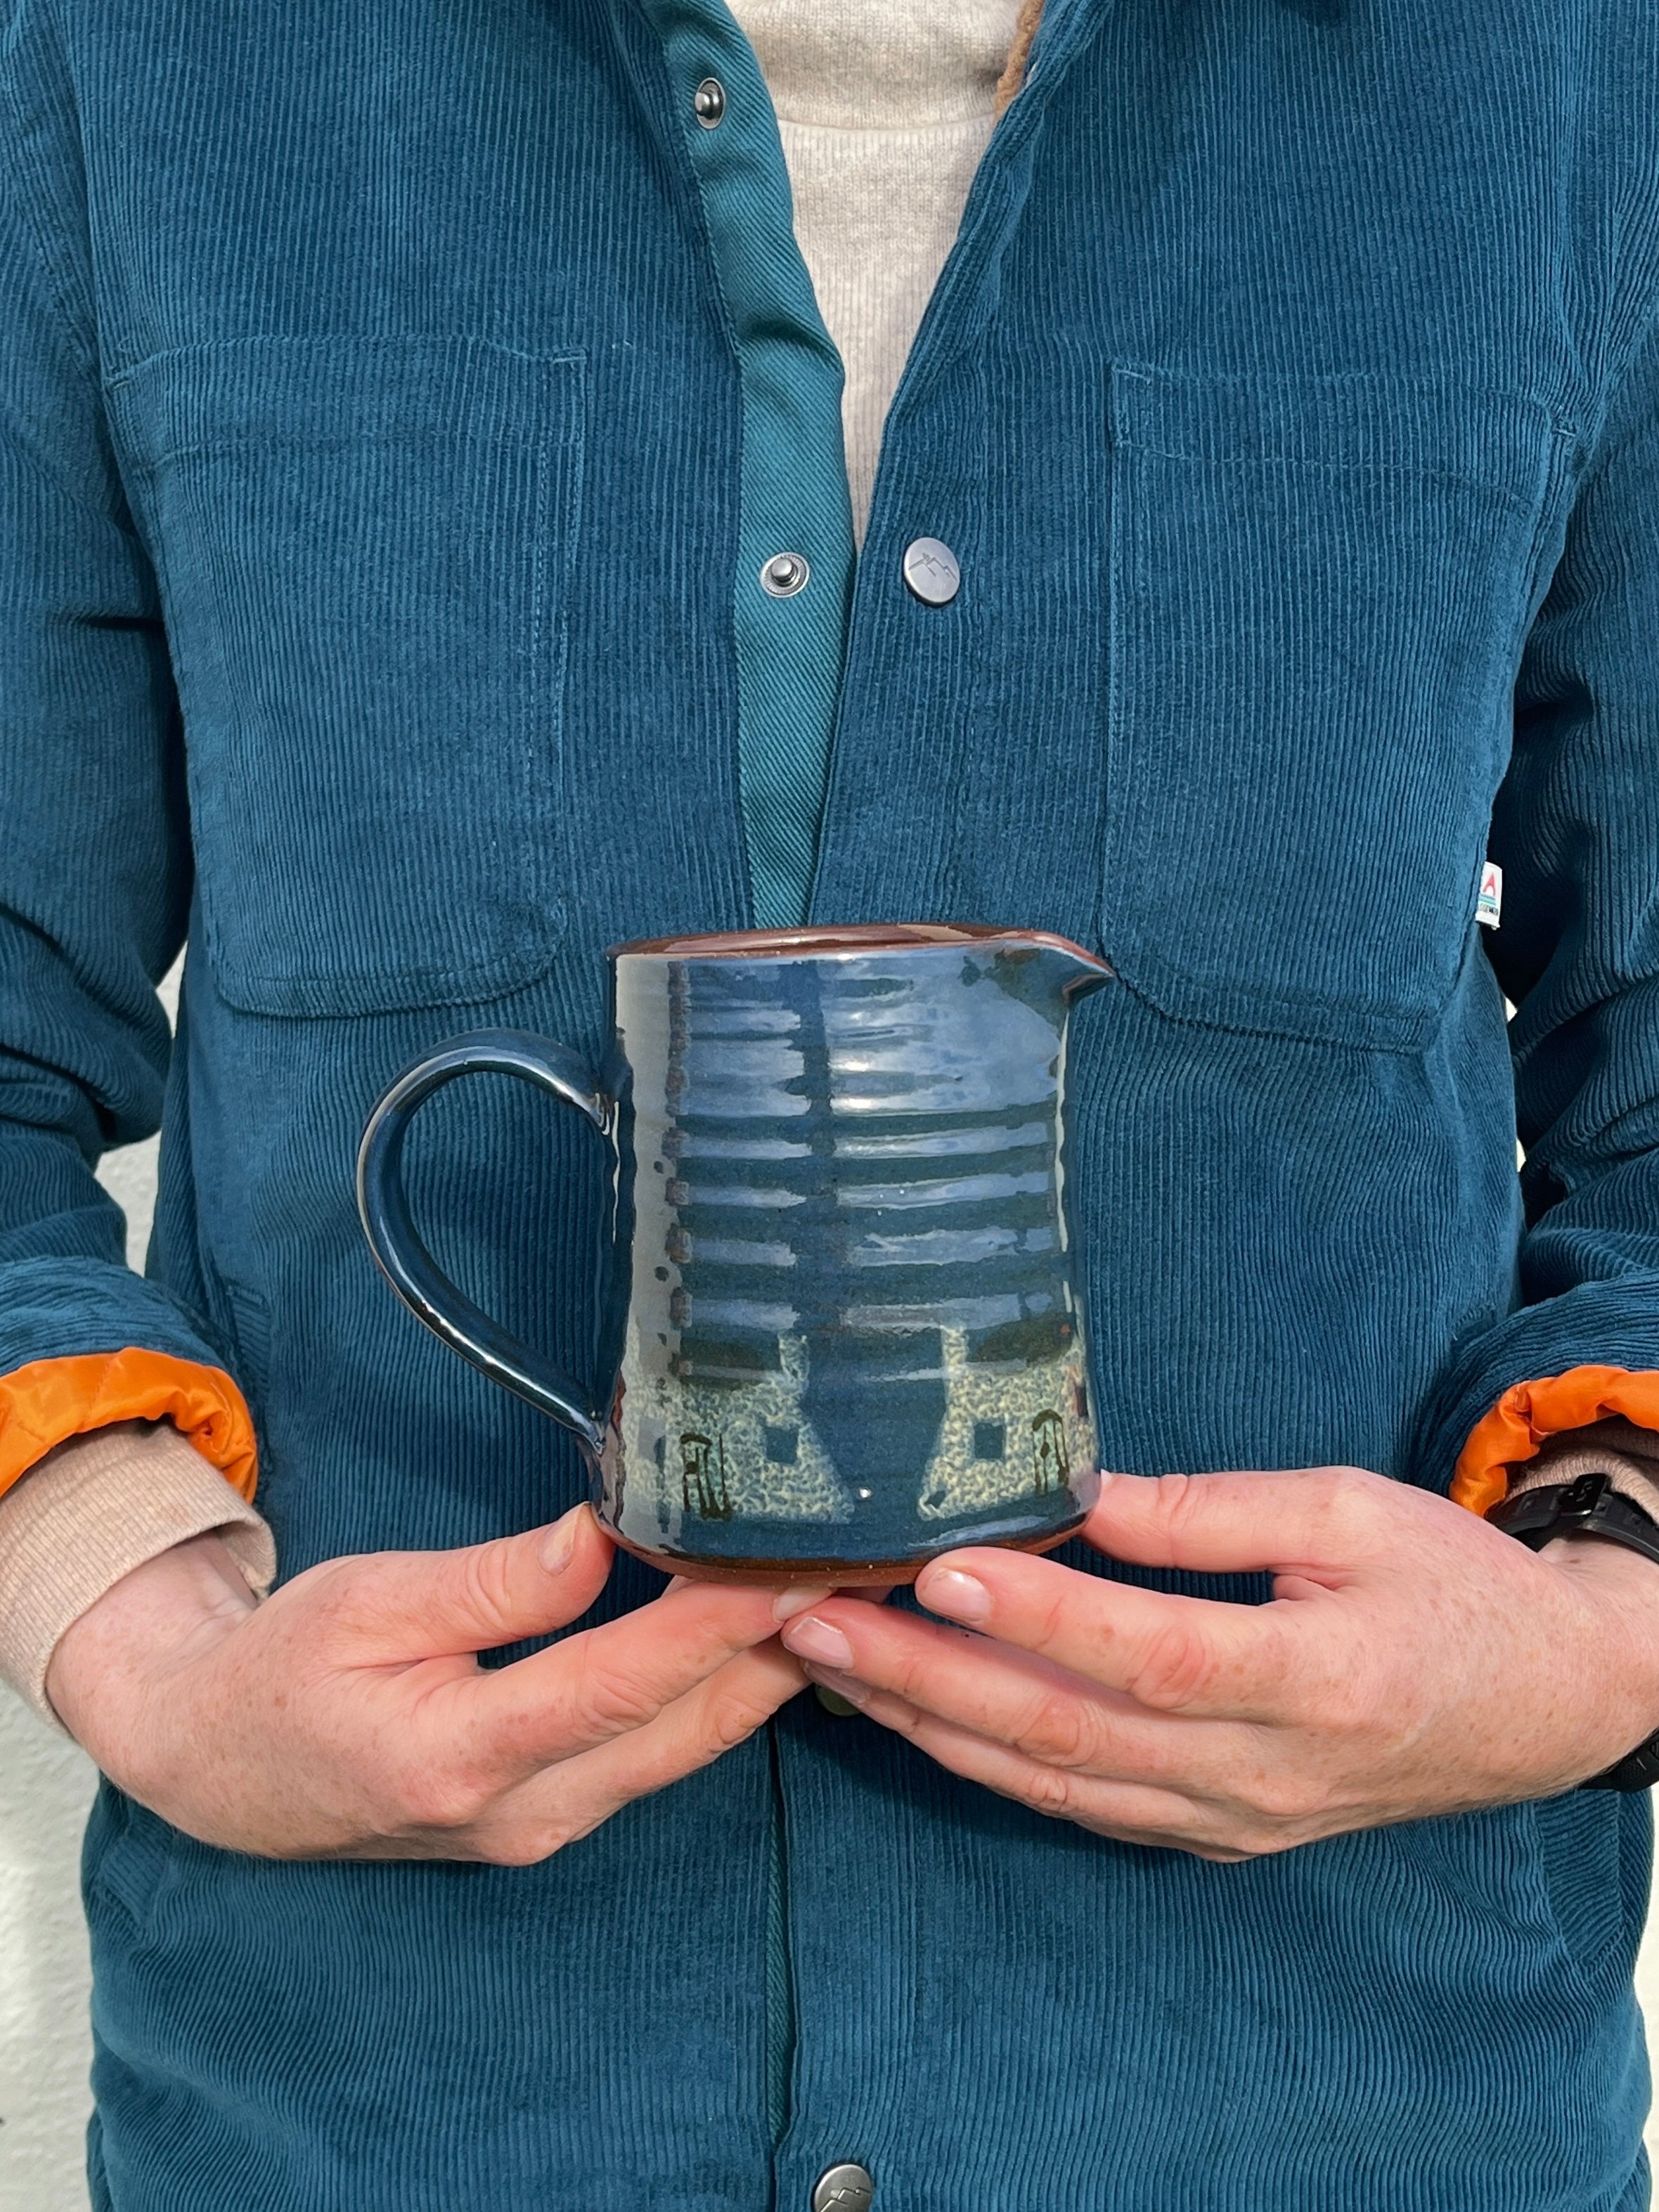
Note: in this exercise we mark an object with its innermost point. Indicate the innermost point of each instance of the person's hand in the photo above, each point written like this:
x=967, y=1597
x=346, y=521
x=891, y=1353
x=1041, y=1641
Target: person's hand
x=1413, y=1661
x=347, y=1715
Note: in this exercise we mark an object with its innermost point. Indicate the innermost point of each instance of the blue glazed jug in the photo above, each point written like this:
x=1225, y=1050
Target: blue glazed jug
x=842, y=1329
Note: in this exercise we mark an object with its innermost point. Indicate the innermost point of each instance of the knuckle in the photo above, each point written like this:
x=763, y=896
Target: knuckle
x=1057, y=1726
x=512, y=1852
x=1177, y=1668
x=1282, y=1800
x=900, y=1675
x=1262, y=1841
x=909, y=1674
x=342, y=1596
x=1351, y=1488
x=441, y=1798
x=1352, y=1501
x=1054, y=1613
x=730, y=1719
x=1049, y=1791
x=613, y=1699
x=1177, y=1501
x=483, y=1578
x=523, y=1847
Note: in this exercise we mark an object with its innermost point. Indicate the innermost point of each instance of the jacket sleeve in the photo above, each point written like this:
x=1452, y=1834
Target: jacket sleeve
x=1576, y=830
x=94, y=861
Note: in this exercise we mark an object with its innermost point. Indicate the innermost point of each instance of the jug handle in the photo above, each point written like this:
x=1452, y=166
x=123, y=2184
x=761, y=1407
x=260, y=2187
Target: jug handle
x=396, y=1242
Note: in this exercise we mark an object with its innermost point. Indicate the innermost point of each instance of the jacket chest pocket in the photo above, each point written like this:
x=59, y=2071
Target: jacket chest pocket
x=365, y=550
x=1319, y=593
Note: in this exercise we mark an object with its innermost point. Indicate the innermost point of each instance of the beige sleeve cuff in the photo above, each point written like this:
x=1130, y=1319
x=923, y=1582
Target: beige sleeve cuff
x=88, y=1513
x=1626, y=1455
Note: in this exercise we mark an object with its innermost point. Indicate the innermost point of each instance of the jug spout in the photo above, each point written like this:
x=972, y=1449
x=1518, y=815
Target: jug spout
x=1049, y=966
x=1074, y=970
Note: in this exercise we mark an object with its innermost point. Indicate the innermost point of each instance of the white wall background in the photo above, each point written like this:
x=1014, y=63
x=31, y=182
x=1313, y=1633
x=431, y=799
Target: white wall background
x=46, y=1786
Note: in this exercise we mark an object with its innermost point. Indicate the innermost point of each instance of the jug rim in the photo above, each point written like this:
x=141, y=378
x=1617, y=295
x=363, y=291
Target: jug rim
x=830, y=939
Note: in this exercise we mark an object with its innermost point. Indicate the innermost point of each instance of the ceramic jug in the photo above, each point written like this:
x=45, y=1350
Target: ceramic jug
x=841, y=1331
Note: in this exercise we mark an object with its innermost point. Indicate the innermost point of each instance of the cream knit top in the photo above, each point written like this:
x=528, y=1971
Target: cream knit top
x=884, y=107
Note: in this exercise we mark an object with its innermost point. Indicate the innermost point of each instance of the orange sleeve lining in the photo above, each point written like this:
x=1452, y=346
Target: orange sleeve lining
x=1530, y=1413
x=50, y=1400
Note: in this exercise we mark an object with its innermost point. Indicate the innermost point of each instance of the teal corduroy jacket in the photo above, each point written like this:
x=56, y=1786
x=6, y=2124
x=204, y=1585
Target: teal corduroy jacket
x=397, y=403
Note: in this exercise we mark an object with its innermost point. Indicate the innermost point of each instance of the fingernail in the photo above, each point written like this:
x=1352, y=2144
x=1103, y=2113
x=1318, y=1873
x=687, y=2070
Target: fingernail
x=816, y=1639
x=841, y=1685
x=789, y=1603
x=559, y=1542
x=958, y=1596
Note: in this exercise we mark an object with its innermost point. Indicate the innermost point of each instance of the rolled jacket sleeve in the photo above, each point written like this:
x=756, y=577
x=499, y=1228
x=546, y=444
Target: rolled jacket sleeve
x=1576, y=830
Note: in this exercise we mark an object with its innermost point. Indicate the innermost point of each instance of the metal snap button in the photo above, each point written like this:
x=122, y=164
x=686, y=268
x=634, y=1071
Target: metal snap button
x=785, y=574
x=932, y=571
x=708, y=103
x=844, y=2189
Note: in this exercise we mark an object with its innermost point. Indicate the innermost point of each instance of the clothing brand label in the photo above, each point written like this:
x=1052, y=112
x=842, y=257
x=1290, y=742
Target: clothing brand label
x=1489, y=900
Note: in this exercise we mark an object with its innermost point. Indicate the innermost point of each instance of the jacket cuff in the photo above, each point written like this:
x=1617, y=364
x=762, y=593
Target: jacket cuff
x=89, y=1512
x=1529, y=1415
x=1611, y=1324
x=47, y=1402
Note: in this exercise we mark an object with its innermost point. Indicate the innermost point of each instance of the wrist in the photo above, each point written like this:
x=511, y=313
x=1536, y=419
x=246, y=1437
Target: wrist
x=154, y=1622
x=1620, y=1578
x=1606, y=1543
x=1623, y=1588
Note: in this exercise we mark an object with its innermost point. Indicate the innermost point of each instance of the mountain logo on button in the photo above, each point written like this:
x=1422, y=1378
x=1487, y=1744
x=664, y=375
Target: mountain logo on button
x=932, y=571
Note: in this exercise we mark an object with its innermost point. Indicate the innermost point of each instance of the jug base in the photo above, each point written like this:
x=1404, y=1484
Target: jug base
x=856, y=1574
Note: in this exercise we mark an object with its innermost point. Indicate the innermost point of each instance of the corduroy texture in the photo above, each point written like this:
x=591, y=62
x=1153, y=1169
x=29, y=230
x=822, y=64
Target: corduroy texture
x=49, y=1400
x=871, y=105
x=91, y=1512
x=1292, y=385
x=793, y=472
x=1530, y=1412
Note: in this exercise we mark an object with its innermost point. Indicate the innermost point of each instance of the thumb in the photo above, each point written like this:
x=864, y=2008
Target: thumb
x=433, y=1605
x=1313, y=1518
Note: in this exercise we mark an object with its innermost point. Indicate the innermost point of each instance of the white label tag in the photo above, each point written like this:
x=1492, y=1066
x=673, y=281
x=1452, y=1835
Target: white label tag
x=1489, y=899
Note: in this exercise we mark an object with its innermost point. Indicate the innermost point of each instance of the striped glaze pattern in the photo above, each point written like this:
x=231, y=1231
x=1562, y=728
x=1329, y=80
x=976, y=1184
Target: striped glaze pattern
x=853, y=1335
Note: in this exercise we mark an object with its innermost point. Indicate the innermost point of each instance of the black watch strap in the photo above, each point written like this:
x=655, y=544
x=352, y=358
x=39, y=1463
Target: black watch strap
x=1637, y=1770
x=1588, y=1506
